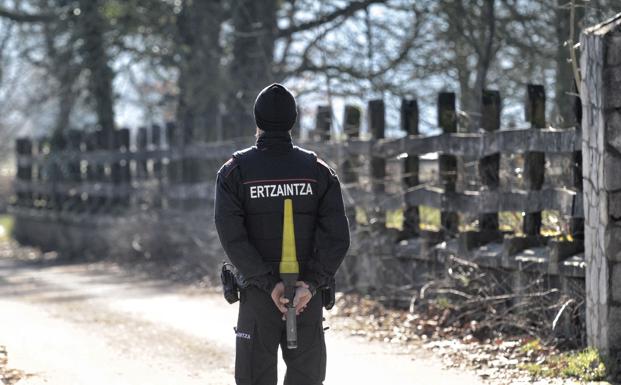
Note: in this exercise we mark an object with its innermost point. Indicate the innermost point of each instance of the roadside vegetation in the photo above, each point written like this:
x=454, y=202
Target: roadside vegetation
x=492, y=355
x=584, y=365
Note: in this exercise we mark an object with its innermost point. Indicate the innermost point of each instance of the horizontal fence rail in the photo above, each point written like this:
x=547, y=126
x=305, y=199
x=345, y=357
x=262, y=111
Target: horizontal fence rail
x=566, y=202
x=204, y=190
x=513, y=141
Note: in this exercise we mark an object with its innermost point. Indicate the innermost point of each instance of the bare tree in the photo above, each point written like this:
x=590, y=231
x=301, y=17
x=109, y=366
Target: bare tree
x=200, y=75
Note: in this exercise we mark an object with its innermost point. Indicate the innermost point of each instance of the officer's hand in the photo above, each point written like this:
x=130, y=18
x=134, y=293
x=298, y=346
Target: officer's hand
x=302, y=296
x=278, y=296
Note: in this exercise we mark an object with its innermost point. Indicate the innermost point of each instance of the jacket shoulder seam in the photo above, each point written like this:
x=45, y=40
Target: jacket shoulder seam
x=229, y=171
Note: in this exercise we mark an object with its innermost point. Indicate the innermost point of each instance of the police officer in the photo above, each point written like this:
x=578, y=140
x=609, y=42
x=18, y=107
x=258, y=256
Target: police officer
x=251, y=190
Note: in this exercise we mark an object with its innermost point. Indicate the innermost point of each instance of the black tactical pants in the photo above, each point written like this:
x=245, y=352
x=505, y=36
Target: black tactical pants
x=260, y=329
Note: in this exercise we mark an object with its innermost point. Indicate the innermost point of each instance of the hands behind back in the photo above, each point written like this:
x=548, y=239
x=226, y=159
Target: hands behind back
x=302, y=296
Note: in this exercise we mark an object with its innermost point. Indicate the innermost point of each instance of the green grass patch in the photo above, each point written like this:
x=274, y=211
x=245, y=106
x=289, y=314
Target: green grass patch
x=552, y=223
x=510, y=221
x=429, y=218
x=533, y=346
x=361, y=216
x=584, y=365
x=394, y=219
x=443, y=303
x=6, y=226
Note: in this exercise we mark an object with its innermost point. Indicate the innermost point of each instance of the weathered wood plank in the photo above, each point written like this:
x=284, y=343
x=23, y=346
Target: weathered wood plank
x=202, y=190
x=409, y=124
x=489, y=166
x=567, y=202
x=459, y=144
x=534, y=161
x=447, y=162
x=516, y=141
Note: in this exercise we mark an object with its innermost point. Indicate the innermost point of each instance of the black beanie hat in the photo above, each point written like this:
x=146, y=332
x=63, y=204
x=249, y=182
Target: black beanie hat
x=275, y=108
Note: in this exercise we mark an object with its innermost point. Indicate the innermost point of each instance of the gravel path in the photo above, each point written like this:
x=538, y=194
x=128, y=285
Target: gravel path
x=92, y=324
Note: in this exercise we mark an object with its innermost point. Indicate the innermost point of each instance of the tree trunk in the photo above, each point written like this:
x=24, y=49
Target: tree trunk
x=253, y=56
x=65, y=72
x=200, y=85
x=92, y=27
x=485, y=59
x=565, y=83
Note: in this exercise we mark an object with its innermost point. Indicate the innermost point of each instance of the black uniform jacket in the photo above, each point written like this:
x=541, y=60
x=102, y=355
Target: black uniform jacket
x=251, y=189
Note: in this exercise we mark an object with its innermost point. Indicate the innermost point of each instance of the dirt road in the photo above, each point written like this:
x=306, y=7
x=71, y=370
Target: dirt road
x=94, y=324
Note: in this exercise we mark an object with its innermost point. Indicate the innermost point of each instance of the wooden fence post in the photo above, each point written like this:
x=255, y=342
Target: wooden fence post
x=173, y=168
x=141, y=147
x=351, y=127
x=74, y=170
x=351, y=121
x=115, y=170
x=156, y=144
x=90, y=143
x=104, y=203
x=121, y=177
x=409, y=124
x=377, y=128
x=94, y=171
x=126, y=176
x=576, y=225
x=57, y=147
x=323, y=124
x=489, y=166
x=46, y=172
x=191, y=167
x=38, y=199
x=534, y=162
x=447, y=120
x=349, y=169
x=23, y=147
x=191, y=174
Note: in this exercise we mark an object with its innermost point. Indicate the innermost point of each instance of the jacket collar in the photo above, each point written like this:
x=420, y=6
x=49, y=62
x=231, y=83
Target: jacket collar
x=274, y=141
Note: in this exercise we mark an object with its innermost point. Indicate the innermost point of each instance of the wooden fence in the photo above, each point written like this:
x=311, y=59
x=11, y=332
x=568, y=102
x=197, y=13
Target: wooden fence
x=80, y=180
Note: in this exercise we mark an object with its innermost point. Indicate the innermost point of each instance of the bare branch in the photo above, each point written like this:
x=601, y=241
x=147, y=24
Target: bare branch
x=22, y=17
x=349, y=10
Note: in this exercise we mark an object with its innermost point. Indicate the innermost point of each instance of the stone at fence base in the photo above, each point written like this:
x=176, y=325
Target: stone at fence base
x=432, y=237
x=515, y=244
x=573, y=266
x=612, y=172
x=534, y=259
x=613, y=129
x=612, y=242
x=559, y=250
x=489, y=255
x=470, y=240
x=446, y=249
x=612, y=77
x=410, y=248
x=420, y=247
x=614, y=205
x=615, y=270
x=614, y=320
